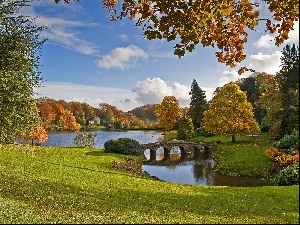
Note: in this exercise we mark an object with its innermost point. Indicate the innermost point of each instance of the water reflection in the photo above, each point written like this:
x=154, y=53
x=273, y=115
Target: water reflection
x=192, y=168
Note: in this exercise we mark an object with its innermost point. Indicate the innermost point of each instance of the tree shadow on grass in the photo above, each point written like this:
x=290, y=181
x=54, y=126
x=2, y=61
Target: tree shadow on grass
x=95, y=153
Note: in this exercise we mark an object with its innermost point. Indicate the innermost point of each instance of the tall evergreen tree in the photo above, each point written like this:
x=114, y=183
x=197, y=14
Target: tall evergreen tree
x=198, y=104
x=289, y=87
x=19, y=55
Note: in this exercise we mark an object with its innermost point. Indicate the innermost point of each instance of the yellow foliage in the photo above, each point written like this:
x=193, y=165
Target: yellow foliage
x=168, y=112
x=230, y=113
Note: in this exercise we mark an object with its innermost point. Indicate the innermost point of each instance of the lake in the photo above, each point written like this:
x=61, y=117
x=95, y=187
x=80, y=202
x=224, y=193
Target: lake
x=67, y=138
x=187, y=169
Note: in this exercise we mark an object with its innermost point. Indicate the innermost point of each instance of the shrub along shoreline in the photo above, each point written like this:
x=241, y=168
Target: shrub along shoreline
x=81, y=185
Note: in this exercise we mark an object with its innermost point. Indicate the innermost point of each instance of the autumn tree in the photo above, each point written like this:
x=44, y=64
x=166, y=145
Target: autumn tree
x=168, y=112
x=39, y=134
x=20, y=45
x=113, y=117
x=289, y=87
x=65, y=118
x=198, y=104
x=221, y=24
x=229, y=113
x=47, y=113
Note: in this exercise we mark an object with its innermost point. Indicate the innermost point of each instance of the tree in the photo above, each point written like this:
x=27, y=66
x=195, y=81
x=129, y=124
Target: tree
x=229, y=113
x=217, y=23
x=250, y=85
x=65, y=119
x=39, y=134
x=198, y=104
x=113, y=117
x=185, y=128
x=289, y=87
x=168, y=112
x=19, y=56
x=47, y=113
x=85, y=139
x=271, y=101
x=77, y=110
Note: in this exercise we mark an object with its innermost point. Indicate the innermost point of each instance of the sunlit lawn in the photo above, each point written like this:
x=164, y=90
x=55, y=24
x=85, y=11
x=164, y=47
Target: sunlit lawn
x=79, y=185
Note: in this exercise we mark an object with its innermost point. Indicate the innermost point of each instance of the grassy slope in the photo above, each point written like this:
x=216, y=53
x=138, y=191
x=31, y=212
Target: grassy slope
x=78, y=185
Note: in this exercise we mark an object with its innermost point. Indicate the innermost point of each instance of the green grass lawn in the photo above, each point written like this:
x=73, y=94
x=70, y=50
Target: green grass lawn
x=79, y=185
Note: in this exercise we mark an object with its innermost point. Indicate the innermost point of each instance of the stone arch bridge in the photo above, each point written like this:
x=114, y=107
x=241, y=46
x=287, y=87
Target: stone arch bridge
x=184, y=146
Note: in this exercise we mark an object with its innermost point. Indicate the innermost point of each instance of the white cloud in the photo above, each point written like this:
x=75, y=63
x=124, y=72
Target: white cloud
x=294, y=34
x=181, y=92
x=122, y=58
x=60, y=31
x=266, y=63
x=152, y=91
x=228, y=76
x=265, y=41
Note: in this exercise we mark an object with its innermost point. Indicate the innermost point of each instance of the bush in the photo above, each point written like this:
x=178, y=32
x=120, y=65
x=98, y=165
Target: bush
x=282, y=159
x=288, y=142
x=83, y=139
x=287, y=176
x=125, y=146
x=201, y=132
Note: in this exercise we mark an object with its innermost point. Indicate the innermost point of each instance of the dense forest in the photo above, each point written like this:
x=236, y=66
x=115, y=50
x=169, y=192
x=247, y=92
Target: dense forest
x=62, y=115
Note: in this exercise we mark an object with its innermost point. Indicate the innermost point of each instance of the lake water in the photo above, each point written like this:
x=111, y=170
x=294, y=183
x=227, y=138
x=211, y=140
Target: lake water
x=188, y=168
x=67, y=138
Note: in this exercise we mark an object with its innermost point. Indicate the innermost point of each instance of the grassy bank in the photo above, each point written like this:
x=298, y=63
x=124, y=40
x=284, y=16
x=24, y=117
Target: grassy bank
x=79, y=185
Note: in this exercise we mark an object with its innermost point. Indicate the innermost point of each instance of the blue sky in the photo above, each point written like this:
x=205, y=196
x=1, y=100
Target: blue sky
x=88, y=58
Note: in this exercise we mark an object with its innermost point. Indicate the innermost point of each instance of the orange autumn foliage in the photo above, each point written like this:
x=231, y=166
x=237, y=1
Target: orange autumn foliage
x=39, y=134
x=281, y=158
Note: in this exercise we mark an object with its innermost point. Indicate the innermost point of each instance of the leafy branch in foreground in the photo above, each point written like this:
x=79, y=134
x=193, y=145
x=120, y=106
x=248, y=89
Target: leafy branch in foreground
x=215, y=23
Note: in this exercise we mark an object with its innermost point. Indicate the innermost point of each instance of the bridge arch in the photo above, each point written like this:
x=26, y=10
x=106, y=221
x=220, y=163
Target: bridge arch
x=182, y=145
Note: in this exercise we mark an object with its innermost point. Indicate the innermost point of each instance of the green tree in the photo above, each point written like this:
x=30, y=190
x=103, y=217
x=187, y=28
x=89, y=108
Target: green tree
x=219, y=24
x=185, y=128
x=229, y=113
x=19, y=56
x=168, y=113
x=289, y=87
x=271, y=101
x=250, y=85
x=198, y=104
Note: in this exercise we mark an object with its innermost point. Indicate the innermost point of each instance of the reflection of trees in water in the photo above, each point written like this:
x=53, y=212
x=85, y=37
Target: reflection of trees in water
x=201, y=166
x=203, y=169
x=172, y=167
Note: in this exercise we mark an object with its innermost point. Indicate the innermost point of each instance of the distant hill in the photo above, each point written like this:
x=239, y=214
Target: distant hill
x=144, y=112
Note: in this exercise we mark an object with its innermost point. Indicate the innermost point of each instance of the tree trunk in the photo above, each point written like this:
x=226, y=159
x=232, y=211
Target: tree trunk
x=233, y=138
